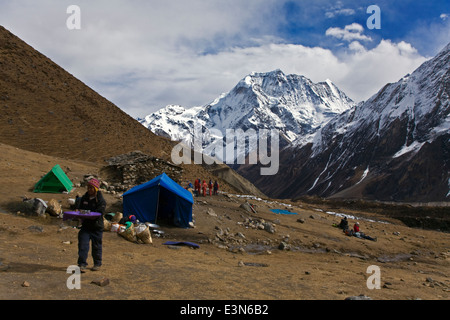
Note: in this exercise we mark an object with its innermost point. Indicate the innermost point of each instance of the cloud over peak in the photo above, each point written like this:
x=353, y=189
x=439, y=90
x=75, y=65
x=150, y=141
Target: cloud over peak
x=348, y=33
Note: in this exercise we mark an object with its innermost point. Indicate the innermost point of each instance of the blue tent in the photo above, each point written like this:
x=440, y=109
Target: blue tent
x=159, y=199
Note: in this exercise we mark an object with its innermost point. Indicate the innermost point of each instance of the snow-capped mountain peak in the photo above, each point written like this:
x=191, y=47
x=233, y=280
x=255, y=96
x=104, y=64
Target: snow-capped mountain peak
x=292, y=104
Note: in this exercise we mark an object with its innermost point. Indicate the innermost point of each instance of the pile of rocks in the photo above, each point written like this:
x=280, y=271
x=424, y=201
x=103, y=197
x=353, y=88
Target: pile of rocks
x=237, y=241
x=260, y=224
x=225, y=238
x=40, y=208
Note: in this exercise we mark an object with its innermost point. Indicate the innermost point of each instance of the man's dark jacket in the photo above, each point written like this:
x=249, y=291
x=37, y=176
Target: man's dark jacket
x=97, y=204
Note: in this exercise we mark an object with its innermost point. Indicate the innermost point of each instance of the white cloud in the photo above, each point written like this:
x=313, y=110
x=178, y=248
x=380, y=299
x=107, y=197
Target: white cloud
x=367, y=71
x=444, y=16
x=359, y=72
x=349, y=33
x=189, y=52
x=339, y=10
x=356, y=47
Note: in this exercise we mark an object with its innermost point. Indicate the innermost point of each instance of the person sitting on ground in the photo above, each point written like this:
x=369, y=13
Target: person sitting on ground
x=344, y=224
x=349, y=232
x=357, y=233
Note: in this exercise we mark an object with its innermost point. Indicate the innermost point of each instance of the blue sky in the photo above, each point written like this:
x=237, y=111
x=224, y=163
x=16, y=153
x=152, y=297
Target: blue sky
x=144, y=55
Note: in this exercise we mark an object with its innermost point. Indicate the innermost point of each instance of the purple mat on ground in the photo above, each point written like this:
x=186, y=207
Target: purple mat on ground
x=182, y=243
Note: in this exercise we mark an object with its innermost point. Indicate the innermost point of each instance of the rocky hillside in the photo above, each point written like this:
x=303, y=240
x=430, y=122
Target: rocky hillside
x=45, y=109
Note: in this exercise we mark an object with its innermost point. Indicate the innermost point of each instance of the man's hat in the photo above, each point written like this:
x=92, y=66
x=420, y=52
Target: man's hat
x=95, y=183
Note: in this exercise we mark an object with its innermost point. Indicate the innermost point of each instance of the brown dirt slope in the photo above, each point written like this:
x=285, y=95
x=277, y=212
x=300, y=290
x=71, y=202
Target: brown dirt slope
x=45, y=109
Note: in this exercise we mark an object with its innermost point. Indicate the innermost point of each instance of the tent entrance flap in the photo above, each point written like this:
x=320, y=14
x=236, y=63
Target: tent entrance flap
x=166, y=206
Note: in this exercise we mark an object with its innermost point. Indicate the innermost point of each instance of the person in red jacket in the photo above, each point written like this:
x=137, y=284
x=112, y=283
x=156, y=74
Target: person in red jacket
x=197, y=186
x=204, y=188
x=357, y=233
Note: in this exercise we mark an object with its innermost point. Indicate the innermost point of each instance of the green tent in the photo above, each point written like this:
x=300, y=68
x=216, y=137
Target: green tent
x=55, y=181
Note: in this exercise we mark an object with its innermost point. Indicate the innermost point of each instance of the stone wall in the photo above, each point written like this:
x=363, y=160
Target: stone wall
x=128, y=170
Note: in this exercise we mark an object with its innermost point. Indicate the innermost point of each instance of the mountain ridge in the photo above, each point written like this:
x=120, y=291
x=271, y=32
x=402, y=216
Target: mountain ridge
x=391, y=132
x=392, y=147
x=292, y=104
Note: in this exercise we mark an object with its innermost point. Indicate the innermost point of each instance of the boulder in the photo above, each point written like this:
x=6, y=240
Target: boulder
x=54, y=208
